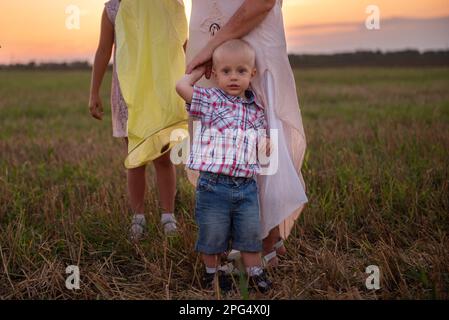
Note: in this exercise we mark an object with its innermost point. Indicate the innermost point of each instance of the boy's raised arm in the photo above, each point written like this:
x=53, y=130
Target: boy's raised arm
x=184, y=86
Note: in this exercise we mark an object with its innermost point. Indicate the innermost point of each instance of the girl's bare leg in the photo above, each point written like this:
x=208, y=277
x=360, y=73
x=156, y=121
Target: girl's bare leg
x=166, y=182
x=136, y=188
x=136, y=194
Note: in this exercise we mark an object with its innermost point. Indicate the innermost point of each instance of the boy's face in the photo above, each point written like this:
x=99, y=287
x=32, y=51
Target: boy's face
x=233, y=72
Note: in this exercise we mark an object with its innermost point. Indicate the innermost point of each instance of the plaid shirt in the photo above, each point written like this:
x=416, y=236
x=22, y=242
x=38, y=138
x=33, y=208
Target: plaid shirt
x=226, y=132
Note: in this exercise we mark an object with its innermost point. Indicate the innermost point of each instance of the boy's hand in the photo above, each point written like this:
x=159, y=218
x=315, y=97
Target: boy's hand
x=96, y=107
x=184, y=87
x=269, y=147
x=266, y=146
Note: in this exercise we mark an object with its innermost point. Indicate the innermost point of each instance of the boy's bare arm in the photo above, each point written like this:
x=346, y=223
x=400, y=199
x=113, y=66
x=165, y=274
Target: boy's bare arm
x=184, y=86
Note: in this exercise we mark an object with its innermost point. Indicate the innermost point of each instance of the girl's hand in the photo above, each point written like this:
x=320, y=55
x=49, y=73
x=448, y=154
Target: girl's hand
x=96, y=107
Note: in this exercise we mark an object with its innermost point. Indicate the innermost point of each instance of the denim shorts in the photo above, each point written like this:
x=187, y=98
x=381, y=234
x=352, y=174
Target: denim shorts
x=227, y=212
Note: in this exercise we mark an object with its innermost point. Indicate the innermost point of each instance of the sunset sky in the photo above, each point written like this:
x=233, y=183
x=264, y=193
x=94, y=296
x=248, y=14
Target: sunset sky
x=33, y=30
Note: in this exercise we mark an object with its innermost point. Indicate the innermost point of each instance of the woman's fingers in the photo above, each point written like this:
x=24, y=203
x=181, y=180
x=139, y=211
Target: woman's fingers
x=208, y=72
x=201, y=58
x=195, y=63
x=192, y=66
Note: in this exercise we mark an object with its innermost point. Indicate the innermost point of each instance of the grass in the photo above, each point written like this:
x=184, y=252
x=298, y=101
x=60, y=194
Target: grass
x=376, y=169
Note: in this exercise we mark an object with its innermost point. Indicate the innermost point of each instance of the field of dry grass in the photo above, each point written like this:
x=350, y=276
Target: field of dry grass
x=377, y=172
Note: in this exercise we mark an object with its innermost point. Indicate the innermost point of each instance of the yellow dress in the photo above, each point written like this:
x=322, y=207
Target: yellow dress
x=150, y=35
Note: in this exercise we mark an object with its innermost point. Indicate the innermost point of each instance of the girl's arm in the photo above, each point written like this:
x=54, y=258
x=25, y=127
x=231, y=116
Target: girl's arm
x=102, y=58
x=250, y=14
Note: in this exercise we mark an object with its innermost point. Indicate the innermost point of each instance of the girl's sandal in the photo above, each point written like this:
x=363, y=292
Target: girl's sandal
x=137, y=231
x=170, y=227
x=271, y=259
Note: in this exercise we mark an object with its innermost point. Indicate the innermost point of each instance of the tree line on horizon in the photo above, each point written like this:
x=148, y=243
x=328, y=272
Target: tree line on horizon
x=406, y=58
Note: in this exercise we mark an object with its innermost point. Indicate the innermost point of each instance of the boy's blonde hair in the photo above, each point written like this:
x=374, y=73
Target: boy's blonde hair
x=233, y=46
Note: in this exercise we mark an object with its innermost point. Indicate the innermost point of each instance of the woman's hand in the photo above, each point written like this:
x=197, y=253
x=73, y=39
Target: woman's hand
x=250, y=14
x=96, y=106
x=197, y=73
x=202, y=59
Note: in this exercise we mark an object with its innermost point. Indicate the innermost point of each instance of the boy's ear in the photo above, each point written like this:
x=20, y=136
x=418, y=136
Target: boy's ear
x=253, y=73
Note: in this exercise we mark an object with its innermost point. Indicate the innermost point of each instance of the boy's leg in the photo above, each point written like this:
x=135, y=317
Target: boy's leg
x=258, y=278
x=246, y=233
x=166, y=184
x=212, y=215
x=251, y=259
x=246, y=236
x=211, y=262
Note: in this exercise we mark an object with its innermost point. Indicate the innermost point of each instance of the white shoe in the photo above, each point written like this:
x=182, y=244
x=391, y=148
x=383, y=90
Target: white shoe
x=169, y=225
x=137, y=229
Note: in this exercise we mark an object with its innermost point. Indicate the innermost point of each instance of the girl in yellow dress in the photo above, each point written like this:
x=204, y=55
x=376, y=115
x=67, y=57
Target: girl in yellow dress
x=148, y=38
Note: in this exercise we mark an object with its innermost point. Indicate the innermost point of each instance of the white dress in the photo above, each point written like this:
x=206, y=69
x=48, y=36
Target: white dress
x=282, y=194
x=119, y=110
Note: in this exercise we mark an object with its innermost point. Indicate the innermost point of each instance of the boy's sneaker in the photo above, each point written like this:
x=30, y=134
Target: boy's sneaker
x=261, y=282
x=224, y=281
x=207, y=281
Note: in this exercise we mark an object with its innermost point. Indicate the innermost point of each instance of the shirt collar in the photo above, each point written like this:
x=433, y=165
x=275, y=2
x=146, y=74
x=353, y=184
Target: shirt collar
x=249, y=94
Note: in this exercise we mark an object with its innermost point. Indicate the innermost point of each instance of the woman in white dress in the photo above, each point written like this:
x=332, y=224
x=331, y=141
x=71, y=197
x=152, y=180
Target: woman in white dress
x=260, y=23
